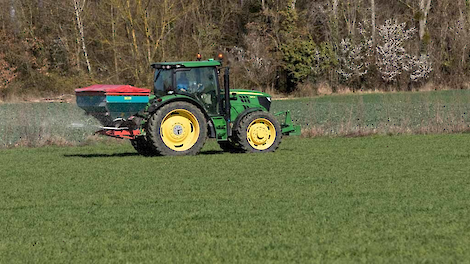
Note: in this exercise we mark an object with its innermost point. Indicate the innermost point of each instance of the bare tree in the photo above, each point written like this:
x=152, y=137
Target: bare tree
x=372, y=7
x=335, y=9
x=334, y=22
x=463, y=25
x=424, y=7
x=350, y=14
x=13, y=17
x=40, y=8
x=113, y=34
x=78, y=6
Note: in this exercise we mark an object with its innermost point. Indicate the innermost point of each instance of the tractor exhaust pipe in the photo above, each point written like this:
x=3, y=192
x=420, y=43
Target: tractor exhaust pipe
x=227, y=100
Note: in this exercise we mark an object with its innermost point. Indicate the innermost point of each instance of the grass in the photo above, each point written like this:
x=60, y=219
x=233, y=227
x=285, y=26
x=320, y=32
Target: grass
x=401, y=199
x=38, y=124
x=382, y=113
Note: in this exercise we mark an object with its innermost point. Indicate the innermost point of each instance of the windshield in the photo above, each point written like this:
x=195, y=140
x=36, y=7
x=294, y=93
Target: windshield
x=199, y=83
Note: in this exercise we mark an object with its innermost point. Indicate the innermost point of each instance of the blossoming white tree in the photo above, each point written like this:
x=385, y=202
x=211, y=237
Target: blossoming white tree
x=354, y=58
x=392, y=58
x=420, y=67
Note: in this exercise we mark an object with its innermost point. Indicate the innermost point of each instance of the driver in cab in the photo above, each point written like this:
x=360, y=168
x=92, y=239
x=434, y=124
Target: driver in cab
x=183, y=82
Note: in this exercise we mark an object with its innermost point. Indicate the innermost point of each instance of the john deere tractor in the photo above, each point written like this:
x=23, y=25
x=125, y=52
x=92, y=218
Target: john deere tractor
x=187, y=105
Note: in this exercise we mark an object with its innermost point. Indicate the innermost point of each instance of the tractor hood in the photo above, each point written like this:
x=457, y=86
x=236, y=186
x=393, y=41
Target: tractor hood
x=248, y=92
x=247, y=99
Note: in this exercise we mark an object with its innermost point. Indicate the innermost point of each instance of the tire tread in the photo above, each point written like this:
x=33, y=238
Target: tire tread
x=154, y=123
x=240, y=133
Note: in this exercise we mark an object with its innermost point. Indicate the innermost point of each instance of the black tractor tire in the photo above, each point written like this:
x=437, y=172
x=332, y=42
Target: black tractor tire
x=142, y=146
x=267, y=141
x=229, y=146
x=194, y=129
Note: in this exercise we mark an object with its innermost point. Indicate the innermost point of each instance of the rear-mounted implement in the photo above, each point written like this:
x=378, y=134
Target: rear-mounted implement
x=114, y=106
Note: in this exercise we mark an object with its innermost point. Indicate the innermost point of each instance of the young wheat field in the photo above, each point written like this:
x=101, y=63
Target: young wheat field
x=38, y=124
x=334, y=198
x=399, y=199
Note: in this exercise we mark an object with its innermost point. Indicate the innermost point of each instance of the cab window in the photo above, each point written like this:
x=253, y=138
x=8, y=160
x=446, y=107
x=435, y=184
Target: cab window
x=200, y=83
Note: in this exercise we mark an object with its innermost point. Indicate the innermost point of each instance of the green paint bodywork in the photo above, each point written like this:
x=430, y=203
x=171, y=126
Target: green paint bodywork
x=220, y=127
x=248, y=92
x=288, y=127
x=189, y=64
x=241, y=101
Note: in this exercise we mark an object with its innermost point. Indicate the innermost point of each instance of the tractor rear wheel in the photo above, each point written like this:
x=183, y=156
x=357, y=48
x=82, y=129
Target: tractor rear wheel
x=178, y=128
x=258, y=132
x=142, y=146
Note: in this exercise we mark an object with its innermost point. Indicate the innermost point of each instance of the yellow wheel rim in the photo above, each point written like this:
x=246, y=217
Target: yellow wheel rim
x=261, y=134
x=179, y=130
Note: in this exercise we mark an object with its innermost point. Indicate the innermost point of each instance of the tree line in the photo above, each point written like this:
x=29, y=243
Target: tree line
x=276, y=45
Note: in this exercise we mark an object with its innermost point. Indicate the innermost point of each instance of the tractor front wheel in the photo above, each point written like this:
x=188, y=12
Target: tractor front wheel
x=176, y=129
x=258, y=132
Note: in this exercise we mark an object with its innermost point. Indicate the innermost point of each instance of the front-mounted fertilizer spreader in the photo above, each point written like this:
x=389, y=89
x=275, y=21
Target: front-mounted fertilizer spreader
x=187, y=106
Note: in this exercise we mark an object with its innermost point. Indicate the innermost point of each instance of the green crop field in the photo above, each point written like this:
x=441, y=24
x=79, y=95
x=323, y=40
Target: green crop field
x=33, y=124
x=399, y=199
x=37, y=124
x=381, y=198
x=382, y=113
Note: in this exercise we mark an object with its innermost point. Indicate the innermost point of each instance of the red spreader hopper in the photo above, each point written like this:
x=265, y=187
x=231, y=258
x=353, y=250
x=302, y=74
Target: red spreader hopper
x=112, y=104
x=110, y=89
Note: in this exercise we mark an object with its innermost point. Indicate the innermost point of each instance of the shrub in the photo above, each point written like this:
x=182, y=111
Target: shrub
x=354, y=58
x=392, y=57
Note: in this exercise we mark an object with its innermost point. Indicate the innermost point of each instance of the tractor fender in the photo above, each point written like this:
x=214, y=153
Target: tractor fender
x=155, y=105
x=243, y=114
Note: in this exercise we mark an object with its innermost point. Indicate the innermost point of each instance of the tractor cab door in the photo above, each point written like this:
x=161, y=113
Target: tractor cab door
x=163, y=82
x=201, y=83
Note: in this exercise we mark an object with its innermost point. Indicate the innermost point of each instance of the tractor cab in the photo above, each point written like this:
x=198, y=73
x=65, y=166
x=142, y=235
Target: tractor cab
x=198, y=80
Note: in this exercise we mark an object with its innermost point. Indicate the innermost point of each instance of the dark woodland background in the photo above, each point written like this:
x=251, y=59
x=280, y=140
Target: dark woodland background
x=302, y=47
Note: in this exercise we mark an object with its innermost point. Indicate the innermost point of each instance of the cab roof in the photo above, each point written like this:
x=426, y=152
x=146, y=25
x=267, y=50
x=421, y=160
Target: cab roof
x=186, y=64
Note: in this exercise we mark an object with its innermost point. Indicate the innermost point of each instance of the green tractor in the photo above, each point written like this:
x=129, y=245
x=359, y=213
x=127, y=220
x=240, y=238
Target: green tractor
x=187, y=106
